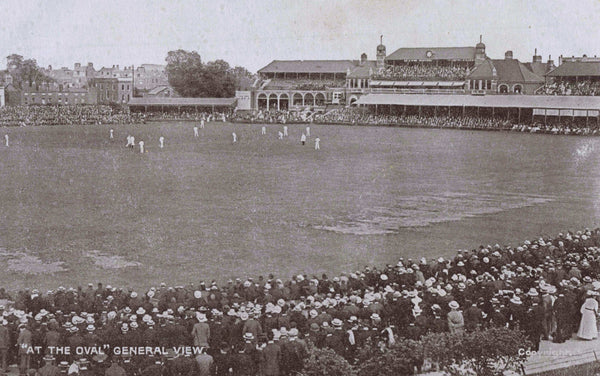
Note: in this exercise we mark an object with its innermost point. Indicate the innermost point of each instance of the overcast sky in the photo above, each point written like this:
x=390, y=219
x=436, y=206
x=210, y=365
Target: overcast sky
x=252, y=33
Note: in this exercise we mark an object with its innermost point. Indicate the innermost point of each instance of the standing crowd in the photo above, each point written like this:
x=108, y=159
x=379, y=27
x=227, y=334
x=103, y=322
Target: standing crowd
x=266, y=326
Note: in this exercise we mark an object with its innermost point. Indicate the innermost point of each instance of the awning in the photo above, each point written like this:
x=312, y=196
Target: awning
x=497, y=101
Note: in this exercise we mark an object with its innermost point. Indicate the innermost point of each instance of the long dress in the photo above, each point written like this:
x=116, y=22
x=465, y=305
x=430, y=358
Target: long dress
x=587, y=327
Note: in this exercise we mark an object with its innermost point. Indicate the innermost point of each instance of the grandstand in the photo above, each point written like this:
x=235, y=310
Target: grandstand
x=298, y=84
x=580, y=77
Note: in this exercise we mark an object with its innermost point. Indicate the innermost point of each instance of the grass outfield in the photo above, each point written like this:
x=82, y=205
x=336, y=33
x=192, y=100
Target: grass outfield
x=77, y=207
x=84, y=207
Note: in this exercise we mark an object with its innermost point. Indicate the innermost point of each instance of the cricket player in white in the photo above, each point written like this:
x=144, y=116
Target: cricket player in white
x=317, y=143
x=6, y=139
x=132, y=141
x=161, y=141
x=280, y=135
x=196, y=132
x=285, y=133
x=111, y=134
x=141, y=143
x=307, y=131
x=202, y=124
x=128, y=141
x=234, y=137
x=303, y=139
x=263, y=130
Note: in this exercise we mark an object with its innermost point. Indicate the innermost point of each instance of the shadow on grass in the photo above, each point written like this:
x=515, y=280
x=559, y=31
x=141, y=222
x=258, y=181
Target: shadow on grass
x=589, y=369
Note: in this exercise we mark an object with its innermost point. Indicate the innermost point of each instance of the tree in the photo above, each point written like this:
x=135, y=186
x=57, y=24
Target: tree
x=487, y=352
x=399, y=359
x=192, y=78
x=325, y=362
x=25, y=71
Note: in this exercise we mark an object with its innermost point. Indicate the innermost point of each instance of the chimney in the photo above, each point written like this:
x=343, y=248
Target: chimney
x=363, y=58
x=77, y=65
x=508, y=55
x=550, y=64
x=117, y=66
x=91, y=65
x=536, y=58
x=49, y=67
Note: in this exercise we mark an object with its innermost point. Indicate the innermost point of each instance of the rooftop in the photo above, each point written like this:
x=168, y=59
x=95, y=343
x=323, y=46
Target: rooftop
x=309, y=66
x=433, y=53
x=576, y=69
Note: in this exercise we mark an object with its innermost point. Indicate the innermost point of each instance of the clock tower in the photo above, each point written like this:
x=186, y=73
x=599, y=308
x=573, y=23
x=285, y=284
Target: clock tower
x=380, y=54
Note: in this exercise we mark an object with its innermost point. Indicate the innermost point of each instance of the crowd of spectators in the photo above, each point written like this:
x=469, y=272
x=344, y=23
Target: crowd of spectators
x=419, y=71
x=352, y=116
x=584, y=88
x=263, y=326
x=73, y=114
x=94, y=114
x=304, y=84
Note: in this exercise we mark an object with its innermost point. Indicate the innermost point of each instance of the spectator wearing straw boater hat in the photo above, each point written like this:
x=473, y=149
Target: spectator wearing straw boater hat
x=201, y=331
x=49, y=369
x=455, y=318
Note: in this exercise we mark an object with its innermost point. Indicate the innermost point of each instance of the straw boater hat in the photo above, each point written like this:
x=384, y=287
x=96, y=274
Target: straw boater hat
x=532, y=292
x=336, y=322
x=516, y=300
x=201, y=317
x=248, y=336
x=453, y=304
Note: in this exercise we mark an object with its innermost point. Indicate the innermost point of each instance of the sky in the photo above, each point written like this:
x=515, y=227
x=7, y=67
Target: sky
x=253, y=33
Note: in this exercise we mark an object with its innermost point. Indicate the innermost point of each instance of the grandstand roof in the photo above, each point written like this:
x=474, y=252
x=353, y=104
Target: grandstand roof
x=308, y=66
x=363, y=71
x=497, y=101
x=157, y=101
x=538, y=68
x=437, y=53
x=576, y=69
x=507, y=70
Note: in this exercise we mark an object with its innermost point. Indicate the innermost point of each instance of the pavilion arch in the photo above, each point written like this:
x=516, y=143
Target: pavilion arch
x=309, y=99
x=272, y=102
x=261, y=101
x=320, y=99
x=297, y=99
x=284, y=102
x=503, y=89
x=518, y=89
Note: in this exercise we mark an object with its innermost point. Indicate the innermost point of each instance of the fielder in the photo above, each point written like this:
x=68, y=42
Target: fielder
x=307, y=131
x=285, y=132
x=111, y=134
x=161, y=141
x=263, y=130
x=234, y=137
x=6, y=139
x=317, y=143
x=196, y=134
x=141, y=143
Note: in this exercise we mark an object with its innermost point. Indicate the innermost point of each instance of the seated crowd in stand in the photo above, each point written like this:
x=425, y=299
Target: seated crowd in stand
x=304, y=84
x=73, y=114
x=423, y=71
x=250, y=325
x=350, y=116
x=585, y=88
